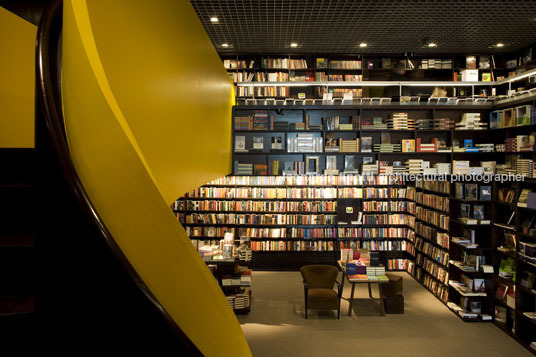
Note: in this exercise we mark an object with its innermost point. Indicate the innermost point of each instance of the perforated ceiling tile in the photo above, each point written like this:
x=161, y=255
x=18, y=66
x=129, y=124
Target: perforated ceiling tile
x=388, y=26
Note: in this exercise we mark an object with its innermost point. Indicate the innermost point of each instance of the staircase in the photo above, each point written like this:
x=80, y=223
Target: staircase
x=18, y=211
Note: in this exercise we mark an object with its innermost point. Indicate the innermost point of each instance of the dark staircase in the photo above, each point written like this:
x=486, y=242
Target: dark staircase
x=18, y=211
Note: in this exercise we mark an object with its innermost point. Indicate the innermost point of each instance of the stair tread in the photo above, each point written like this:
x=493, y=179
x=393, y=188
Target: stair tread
x=17, y=239
x=11, y=305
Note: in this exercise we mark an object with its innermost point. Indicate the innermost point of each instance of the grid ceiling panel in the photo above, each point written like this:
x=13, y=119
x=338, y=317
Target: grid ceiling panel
x=388, y=26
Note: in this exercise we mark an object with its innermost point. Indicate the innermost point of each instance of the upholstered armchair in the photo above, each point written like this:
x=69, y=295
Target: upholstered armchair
x=318, y=282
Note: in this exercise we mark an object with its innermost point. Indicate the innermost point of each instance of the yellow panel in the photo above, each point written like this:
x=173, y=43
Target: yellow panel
x=133, y=146
x=17, y=81
x=166, y=74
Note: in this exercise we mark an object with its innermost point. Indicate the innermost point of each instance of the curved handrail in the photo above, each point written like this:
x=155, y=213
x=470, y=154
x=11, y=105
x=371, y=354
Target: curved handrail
x=48, y=91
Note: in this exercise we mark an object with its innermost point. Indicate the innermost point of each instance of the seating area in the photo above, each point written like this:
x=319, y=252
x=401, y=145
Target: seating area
x=319, y=294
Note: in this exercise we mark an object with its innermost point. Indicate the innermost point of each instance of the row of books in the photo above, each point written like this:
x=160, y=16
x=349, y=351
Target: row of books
x=283, y=63
x=440, y=290
x=249, y=206
x=381, y=245
x=432, y=234
x=309, y=180
x=472, y=191
x=323, y=77
x=437, y=254
x=324, y=63
x=262, y=91
x=432, y=268
x=510, y=117
x=387, y=206
x=438, y=202
x=298, y=246
x=432, y=217
x=240, y=64
x=358, y=99
x=399, y=121
x=400, y=264
x=436, y=186
x=376, y=233
x=297, y=192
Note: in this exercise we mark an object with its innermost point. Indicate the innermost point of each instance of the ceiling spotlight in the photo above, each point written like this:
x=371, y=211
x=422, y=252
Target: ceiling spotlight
x=363, y=44
x=432, y=44
x=293, y=45
x=225, y=45
x=499, y=44
x=214, y=20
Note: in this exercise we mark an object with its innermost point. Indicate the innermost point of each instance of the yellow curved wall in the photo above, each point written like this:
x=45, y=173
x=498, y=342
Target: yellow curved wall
x=17, y=81
x=147, y=108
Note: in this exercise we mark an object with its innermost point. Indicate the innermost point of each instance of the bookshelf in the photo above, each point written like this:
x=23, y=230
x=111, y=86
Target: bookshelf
x=310, y=76
x=294, y=220
x=447, y=235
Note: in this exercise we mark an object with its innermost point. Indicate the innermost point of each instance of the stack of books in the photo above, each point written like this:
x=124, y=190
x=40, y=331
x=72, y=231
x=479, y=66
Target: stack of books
x=431, y=147
x=471, y=121
x=260, y=169
x=430, y=124
x=416, y=166
x=346, y=127
x=304, y=143
x=260, y=120
x=370, y=169
x=500, y=147
x=425, y=124
x=444, y=124
x=349, y=145
x=243, y=169
x=505, y=169
x=387, y=147
x=485, y=147
x=460, y=167
x=297, y=126
x=230, y=300
x=510, y=145
x=376, y=273
x=280, y=125
x=241, y=301
x=400, y=121
x=375, y=123
x=386, y=168
x=331, y=123
x=524, y=167
x=442, y=168
x=399, y=167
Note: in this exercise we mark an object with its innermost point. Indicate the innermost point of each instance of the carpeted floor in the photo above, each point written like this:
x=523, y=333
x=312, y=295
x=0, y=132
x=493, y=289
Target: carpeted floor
x=276, y=325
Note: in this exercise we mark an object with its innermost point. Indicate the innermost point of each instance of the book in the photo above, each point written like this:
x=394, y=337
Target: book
x=459, y=190
x=277, y=142
x=258, y=143
x=240, y=143
x=484, y=192
x=366, y=144
x=471, y=190
x=465, y=209
x=478, y=212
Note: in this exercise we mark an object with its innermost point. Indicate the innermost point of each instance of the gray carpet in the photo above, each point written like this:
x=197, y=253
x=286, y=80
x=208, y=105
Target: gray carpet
x=276, y=325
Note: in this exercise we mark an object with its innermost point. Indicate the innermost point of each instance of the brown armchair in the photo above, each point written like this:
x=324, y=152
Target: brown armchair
x=318, y=281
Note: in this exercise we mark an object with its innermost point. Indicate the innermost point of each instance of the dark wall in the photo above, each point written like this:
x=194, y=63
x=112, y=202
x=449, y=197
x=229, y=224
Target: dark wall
x=30, y=10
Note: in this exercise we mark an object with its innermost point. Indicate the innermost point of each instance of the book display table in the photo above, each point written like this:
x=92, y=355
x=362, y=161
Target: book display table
x=364, y=279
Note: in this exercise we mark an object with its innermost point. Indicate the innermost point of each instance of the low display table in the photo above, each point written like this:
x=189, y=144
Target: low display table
x=361, y=281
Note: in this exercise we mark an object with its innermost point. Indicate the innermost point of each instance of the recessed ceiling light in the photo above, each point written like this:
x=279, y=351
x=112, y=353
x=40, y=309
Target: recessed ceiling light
x=499, y=44
x=293, y=45
x=214, y=19
x=225, y=45
x=432, y=44
x=363, y=44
